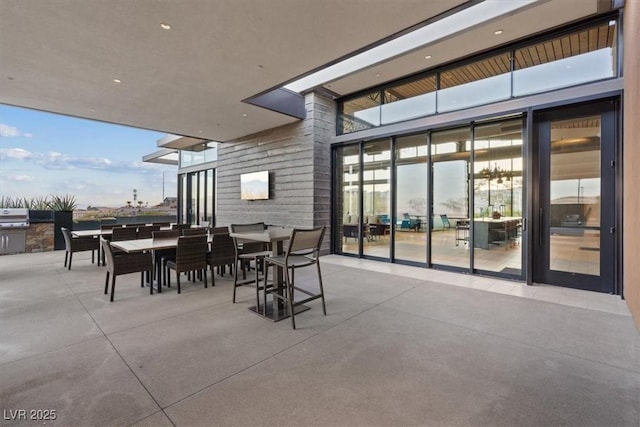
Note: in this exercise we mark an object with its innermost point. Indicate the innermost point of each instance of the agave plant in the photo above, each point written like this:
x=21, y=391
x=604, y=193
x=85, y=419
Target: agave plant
x=37, y=203
x=66, y=202
x=11, y=203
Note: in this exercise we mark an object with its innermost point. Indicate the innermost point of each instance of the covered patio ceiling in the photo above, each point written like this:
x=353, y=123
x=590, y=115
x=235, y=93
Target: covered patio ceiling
x=115, y=61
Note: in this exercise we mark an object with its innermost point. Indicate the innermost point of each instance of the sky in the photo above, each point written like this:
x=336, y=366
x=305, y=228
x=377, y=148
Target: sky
x=43, y=154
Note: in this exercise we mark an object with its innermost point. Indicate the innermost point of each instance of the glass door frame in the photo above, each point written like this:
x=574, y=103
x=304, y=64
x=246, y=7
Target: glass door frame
x=189, y=209
x=610, y=238
x=471, y=268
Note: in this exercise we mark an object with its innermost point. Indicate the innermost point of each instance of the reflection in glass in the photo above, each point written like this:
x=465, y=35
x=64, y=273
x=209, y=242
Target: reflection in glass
x=360, y=113
x=348, y=199
x=202, y=206
x=210, y=198
x=498, y=199
x=583, y=56
x=574, y=217
x=409, y=100
x=450, y=197
x=376, y=197
x=411, y=199
x=478, y=83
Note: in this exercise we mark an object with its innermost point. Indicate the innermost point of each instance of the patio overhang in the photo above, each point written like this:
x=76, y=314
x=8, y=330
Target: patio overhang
x=218, y=70
x=164, y=156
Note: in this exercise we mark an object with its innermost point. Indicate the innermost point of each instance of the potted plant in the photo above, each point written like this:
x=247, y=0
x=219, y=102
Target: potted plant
x=62, y=207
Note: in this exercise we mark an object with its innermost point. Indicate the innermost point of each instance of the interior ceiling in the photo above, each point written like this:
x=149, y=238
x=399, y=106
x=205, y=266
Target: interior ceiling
x=62, y=56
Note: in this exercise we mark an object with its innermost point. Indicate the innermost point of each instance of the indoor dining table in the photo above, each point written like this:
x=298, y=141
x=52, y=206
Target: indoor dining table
x=276, y=310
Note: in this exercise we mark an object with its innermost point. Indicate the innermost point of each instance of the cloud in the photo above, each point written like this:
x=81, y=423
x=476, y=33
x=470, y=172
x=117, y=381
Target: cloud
x=15, y=153
x=11, y=131
x=15, y=176
x=18, y=178
x=54, y=160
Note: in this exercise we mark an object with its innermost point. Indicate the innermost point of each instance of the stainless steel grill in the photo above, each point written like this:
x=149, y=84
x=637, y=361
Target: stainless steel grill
x=14, y=218
x=13, y=230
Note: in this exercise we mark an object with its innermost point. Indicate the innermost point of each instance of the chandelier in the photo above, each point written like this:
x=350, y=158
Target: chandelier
x=496, y=173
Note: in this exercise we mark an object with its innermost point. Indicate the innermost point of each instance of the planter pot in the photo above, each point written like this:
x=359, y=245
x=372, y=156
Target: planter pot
x=61, y=219
x=38, y=216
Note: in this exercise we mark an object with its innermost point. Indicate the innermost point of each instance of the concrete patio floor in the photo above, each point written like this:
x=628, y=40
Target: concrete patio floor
x=399, y=346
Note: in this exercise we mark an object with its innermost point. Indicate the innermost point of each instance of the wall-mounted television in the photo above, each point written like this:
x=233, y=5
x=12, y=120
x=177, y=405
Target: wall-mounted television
x=254, y=186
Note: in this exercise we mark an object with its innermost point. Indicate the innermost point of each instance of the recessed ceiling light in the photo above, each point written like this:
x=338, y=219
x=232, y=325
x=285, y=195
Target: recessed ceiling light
x=117, y=81
x=427, y=57
x=244, y=114
x=165, y=26
x=10, y=78
x=497, y=32
x=260, y=66
x=93, y=110
x=612, y=22
x=377, y=74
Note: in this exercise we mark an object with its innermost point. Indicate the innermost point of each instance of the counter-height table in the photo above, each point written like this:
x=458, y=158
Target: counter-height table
x=276, y=310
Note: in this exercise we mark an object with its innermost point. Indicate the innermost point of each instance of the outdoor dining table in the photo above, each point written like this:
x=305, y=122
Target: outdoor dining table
x=93, y=233
x=276, y=310
x=146, y=245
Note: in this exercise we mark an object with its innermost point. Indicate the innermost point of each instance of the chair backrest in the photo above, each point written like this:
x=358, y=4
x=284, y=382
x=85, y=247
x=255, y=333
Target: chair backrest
x=191, y=252
x=109, y=226
x=162, y=224
x=222, y=249
x=108, y=253
x=194, y=231
x=219, y=230
x=67, y=237
x=124, y=233
x=145, y=231
x=306, y=241
x=180, y=226
x=165, y=234
x=247, y=228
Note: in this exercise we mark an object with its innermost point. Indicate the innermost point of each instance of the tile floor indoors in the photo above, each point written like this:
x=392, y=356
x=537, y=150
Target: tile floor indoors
x=399, y=346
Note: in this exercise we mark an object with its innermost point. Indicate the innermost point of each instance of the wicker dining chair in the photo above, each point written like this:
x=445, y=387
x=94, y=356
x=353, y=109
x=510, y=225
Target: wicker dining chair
x=180, y=226
x=194, y=231
x=145, y=231
x=125, y=263
x=78, y=244
x=221, y=255
x=191, y=256
x=245, y=252
x=303, y=251
x=124, y=233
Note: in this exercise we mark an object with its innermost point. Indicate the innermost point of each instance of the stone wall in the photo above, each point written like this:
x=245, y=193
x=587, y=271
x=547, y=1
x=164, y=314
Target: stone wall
x=40, y=237
x=298, y=158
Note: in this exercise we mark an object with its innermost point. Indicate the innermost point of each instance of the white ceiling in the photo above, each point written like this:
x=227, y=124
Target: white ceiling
x=63, y=55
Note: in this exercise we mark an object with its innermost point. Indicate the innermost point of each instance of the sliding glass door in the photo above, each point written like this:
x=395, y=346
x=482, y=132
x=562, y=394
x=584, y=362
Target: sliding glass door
x=196, y=195
x=498, y=197
x=451, y=162
x=411, y=193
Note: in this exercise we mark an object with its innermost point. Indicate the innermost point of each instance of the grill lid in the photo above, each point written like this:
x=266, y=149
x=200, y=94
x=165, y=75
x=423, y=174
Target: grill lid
x=16, y=217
